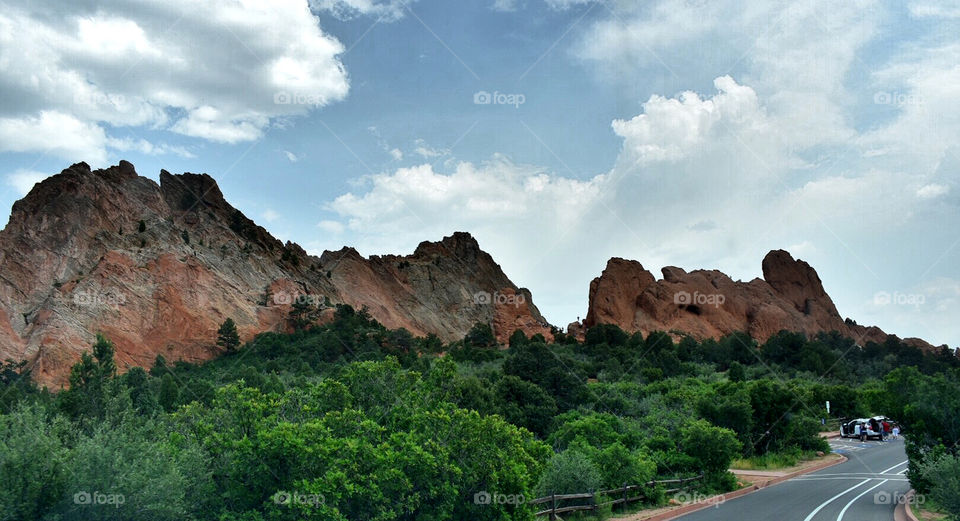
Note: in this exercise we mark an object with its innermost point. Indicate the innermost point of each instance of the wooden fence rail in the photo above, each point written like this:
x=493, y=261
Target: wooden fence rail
x=623, y=493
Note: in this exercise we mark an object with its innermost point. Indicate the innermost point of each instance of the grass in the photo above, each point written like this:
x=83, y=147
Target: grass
x=773, y=460
x=926, y=511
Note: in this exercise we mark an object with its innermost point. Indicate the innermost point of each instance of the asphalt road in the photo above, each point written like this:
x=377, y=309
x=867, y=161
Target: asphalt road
x=864, y=488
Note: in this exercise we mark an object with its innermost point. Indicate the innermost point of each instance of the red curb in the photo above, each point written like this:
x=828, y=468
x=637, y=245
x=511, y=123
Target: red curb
x=714, y=500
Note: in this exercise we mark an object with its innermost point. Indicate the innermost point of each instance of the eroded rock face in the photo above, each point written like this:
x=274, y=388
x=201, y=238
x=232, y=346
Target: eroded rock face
x=708, y=304
x=75, y=260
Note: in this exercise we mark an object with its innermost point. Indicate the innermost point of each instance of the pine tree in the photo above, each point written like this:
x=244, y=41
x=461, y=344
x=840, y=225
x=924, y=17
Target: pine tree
x=227, y=336
x=168, y=393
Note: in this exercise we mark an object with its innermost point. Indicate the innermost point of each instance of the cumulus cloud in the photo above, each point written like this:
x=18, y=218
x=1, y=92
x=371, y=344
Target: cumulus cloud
x=670, y=129
x=219, y=71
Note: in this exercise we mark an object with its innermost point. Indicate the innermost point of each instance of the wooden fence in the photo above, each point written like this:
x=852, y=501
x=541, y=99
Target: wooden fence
x=623, y=495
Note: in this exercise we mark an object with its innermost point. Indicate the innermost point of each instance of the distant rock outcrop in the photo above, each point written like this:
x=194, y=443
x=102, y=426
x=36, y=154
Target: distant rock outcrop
x=708, y=304
x=157, y=268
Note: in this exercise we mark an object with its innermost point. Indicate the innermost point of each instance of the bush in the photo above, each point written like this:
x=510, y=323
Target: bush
x=943, y=475
x=569, y=472
x=713, y=447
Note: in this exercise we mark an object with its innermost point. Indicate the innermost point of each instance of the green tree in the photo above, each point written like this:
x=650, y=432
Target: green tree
x=517, y=338
x=169, y=392
x=480, y=335
x=713, y=447
x=569, y=472
x=90, y=381
x=303, y=312
x=227, y=336
x=943, y=474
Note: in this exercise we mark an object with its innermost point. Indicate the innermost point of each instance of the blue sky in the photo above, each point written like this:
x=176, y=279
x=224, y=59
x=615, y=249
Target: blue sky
x=675, y=132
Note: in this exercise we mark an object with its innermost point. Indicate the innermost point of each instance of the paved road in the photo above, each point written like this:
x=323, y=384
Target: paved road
x=861, y=489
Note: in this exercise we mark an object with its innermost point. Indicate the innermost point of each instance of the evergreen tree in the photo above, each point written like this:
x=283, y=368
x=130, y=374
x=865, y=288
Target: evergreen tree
x=169, y=392
x=227, y=336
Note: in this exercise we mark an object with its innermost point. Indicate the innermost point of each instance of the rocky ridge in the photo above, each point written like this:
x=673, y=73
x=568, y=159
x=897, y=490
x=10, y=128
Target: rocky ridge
x=157, y=268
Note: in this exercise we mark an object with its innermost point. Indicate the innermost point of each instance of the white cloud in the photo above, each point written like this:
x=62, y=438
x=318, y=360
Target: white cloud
x=55, y=133
x=424, y=150
x=23, y=180
x=396, y=154
x=670, y=129
x=935, y=9
x=220, y=70
x=269, y=215
x=932, y=191
x=334, y=227
x=384, y=10
x=293, y=158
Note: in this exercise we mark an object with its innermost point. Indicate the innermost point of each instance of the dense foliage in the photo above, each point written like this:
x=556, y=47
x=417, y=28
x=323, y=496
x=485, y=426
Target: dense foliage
x=350, y=420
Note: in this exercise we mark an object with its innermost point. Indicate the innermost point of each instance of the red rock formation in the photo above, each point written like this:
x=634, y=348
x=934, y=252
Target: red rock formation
x=708, y=304
x=73, y=262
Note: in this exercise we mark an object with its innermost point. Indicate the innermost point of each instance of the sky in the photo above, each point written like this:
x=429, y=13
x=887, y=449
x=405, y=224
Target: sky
x=560, y=133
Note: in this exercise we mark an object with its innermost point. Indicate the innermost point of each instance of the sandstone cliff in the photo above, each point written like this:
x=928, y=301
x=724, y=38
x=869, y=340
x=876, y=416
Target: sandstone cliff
x=708, y=304
x=157, y=268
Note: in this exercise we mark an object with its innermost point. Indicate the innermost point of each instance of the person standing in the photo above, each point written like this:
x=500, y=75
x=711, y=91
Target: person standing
x=896, y=432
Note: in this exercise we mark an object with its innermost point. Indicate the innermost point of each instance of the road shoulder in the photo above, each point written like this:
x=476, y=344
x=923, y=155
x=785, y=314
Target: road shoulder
x=765, y=479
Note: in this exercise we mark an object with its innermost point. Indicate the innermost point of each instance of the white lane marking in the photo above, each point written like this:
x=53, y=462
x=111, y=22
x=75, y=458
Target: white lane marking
x=904, y=471
x=844, y=511
x=861, y=475
x=847, y=479
x=893, y=467
x=831, y=500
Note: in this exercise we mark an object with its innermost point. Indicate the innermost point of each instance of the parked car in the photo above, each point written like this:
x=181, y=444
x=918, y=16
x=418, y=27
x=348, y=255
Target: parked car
x=873, y=426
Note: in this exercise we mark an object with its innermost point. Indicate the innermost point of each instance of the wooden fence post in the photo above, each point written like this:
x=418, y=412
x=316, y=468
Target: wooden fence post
x=624, y=495
x=553, y=504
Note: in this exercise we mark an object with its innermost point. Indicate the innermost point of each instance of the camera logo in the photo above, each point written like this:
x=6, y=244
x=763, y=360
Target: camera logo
x=684, y=298
x=885, y=298
x=897, y=498
x=483, y=97
x=287, y=498
x=281, y=98
x=484, y=298
x=493, y=498
x=98, y=498
x=684, y=497
x=98, y=299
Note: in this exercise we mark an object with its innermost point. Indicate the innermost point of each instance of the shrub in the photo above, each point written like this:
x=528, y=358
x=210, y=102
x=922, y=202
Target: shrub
x=943, y=474
x=569, y=472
